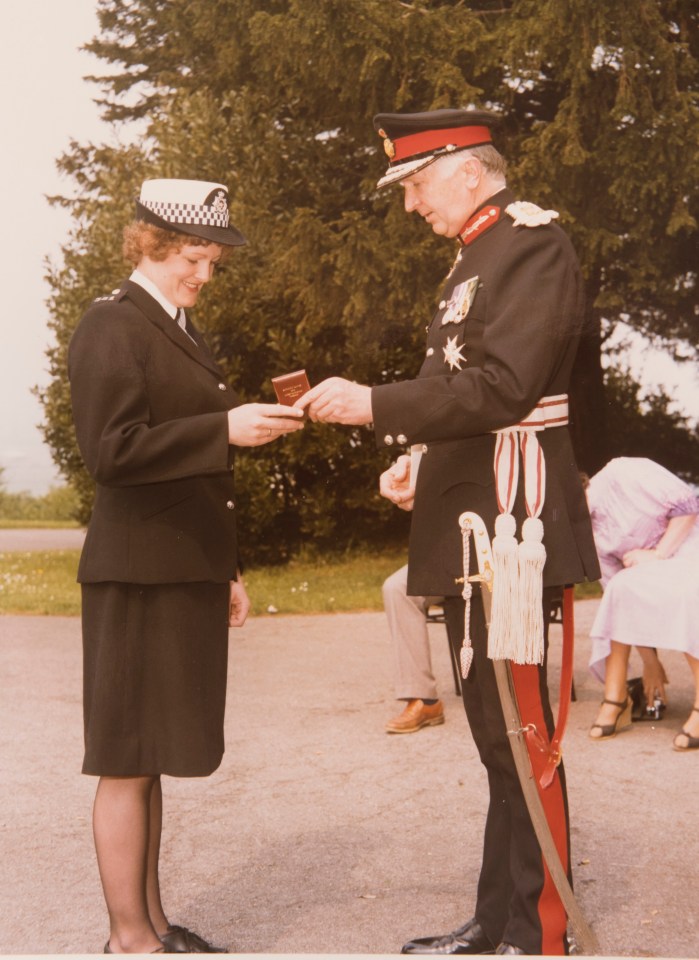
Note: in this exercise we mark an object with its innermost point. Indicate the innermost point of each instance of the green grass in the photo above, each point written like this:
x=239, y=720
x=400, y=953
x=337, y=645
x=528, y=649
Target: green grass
x=323, y=586
x=43, y=583
x=588, y=591
x=39, y=582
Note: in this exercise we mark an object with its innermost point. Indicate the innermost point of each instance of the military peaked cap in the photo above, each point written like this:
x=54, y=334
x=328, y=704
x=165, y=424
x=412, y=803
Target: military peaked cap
x=414, y=140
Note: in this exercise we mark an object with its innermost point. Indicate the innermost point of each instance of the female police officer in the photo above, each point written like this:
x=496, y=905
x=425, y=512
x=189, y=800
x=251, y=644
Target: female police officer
x=157, y=426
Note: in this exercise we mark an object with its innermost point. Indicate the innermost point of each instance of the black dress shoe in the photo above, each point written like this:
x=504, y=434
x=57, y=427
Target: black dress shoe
x=510, y=948
x=467, y=939
x=182, y=940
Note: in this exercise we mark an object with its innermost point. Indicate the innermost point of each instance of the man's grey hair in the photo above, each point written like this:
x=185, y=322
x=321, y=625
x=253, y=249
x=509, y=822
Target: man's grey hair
x=493, y=162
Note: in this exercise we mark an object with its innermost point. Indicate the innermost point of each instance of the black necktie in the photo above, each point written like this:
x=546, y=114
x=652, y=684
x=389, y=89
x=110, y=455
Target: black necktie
x=182, y=322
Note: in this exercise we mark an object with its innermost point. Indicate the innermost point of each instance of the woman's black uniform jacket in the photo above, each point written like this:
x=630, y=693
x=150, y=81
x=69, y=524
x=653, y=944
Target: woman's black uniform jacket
x=519, y=340
x=149, y=407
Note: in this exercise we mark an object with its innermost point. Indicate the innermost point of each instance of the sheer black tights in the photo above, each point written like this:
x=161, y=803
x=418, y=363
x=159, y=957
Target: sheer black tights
x=127, y=824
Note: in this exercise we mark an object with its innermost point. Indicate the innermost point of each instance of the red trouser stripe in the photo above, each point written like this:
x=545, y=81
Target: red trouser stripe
x=551, y=911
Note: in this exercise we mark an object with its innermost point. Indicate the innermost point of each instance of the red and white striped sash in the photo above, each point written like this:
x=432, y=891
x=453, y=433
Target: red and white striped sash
x=549, y=412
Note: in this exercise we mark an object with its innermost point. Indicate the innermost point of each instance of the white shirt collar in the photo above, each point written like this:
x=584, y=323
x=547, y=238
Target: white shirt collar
x=151, y=288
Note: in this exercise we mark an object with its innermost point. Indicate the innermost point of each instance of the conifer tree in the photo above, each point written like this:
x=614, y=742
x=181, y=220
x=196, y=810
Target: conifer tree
x=275, y=98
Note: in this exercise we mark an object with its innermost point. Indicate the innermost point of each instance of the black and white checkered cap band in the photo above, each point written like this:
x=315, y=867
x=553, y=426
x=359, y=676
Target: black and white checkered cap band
x=190, y=213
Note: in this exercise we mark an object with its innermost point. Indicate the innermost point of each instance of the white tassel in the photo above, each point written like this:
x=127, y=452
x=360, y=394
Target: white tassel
x=466, y=660
x=466, y=656
x=529, y=647
x=504, y=616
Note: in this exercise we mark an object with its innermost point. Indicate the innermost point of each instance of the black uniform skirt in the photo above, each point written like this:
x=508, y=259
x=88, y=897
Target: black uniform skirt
x=155, y=659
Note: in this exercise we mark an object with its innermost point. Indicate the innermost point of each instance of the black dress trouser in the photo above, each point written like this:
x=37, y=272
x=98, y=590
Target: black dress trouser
x=516, y=902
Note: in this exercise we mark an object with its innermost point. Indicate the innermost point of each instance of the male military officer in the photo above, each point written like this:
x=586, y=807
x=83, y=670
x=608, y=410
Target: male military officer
x=500, y=345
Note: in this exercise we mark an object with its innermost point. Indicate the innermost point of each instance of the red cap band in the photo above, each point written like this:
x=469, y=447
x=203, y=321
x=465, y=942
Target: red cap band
x=430, y=140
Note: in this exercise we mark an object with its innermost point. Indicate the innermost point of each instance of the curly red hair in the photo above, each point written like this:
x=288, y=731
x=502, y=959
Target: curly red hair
x=146, y=240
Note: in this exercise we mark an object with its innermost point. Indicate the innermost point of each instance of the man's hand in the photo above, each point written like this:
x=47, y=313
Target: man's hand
x=253, y=424
x=396, y=484
x=336, y=400
x=239, y=604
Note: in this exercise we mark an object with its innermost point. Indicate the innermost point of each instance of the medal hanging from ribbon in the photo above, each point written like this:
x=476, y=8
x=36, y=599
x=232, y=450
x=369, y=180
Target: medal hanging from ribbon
x=460, y=301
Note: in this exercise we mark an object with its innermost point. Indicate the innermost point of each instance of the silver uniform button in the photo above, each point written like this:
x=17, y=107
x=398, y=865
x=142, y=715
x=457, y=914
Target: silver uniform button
x=430, y=351
x=230, y=504
x=401, y=438
x=388, y=440
x=442, y=304
x=424, y=448
x=222, y=386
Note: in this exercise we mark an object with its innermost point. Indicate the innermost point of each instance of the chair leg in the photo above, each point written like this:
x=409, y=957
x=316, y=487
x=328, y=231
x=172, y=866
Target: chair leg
x=455, y=668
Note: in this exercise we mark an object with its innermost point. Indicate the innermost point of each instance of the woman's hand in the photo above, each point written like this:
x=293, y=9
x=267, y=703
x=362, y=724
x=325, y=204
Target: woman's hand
x=676, y=532
x=633, y=557
x=654, y=676
x=396, y=485
x=239, y=604
x=253, y=424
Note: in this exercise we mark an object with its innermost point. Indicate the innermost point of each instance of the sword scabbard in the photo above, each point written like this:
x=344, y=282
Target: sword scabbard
x=472, y=525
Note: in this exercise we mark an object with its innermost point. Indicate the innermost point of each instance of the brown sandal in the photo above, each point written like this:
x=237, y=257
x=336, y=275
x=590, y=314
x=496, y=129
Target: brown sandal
x=622, y=721
x=692, y=742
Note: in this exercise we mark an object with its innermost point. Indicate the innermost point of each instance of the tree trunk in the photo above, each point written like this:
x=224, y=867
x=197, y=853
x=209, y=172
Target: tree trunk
x=588, y=402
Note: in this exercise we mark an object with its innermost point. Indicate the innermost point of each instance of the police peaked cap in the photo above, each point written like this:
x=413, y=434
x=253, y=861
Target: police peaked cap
x=414, y=140
x=196, y=208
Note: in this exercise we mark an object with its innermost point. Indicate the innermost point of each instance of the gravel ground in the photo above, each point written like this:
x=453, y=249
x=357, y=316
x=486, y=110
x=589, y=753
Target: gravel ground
x=319, y=834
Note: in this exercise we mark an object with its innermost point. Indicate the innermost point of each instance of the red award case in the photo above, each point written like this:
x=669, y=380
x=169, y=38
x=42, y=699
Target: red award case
x=290, y=387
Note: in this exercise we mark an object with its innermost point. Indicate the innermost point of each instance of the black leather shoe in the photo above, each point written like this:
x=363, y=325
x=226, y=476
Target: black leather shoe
x=182, y=940
x=509, y=948
x=467, y=939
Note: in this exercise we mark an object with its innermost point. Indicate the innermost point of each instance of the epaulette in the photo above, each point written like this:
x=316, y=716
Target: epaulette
x=114, y=295
x=527, y=214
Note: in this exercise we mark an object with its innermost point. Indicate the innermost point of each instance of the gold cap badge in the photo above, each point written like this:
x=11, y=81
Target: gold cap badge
x=388, y=145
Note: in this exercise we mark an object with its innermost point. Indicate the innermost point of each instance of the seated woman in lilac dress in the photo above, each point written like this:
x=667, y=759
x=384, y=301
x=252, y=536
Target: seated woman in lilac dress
x=646, y=527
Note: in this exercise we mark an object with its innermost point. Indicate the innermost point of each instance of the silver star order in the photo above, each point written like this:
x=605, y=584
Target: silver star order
x=453, y=355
